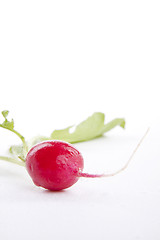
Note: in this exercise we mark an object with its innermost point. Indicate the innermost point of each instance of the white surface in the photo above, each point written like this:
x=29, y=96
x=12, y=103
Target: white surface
x=60, y=61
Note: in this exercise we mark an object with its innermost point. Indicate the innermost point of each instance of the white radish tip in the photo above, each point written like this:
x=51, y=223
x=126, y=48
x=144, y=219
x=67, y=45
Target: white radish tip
x=87, y=175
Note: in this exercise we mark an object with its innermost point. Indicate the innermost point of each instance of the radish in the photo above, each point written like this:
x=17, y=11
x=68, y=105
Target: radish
x=56, y=164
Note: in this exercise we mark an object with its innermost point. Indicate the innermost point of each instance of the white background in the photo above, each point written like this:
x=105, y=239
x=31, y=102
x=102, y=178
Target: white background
x=60, y=61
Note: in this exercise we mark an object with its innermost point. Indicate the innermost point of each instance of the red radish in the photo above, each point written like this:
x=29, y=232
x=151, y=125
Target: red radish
x=54, y=165
x=57, y=165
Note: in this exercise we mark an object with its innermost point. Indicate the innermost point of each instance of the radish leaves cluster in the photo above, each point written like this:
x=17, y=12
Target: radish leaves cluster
x=93, y=127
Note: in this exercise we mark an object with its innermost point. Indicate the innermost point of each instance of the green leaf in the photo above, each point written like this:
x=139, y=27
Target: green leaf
x=17, y=151
x=5, y=113
x=89, y=129
x=62, y=134
x=118, y=121
x=7, y=124
x=10, y=126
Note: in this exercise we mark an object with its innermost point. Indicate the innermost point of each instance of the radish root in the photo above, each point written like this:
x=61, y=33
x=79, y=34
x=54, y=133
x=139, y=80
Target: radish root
x=81, y=174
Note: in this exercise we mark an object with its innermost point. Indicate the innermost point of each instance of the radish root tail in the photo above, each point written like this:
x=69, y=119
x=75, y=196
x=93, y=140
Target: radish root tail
x=120, y=170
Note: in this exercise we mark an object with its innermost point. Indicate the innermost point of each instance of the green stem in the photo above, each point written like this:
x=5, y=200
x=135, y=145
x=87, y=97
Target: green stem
x=12, y=160
x=22, y=139
x=20, y=136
